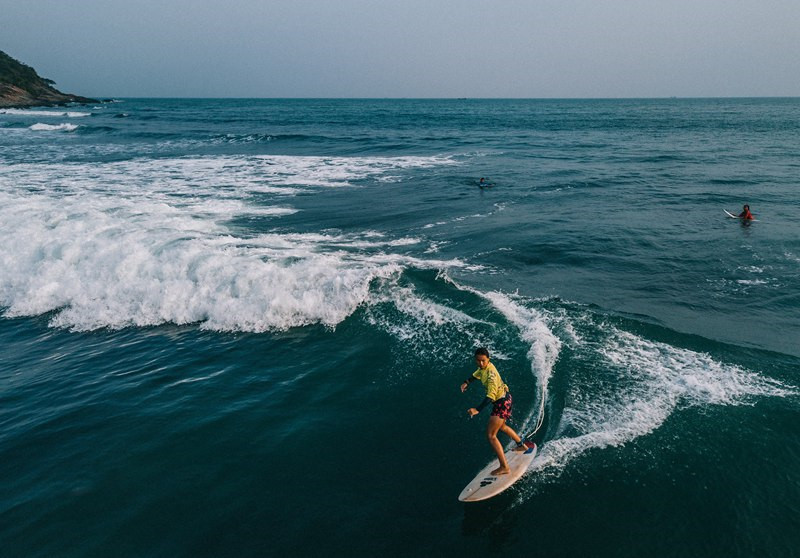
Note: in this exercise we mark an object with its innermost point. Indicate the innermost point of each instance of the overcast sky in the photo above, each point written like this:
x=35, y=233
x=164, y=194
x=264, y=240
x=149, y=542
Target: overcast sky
x=409, y=48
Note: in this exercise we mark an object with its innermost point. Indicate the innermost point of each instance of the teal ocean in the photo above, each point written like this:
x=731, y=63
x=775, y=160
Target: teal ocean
x=238, y=327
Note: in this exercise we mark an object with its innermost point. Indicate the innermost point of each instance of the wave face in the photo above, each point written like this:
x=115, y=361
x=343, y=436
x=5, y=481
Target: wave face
x=218, y=315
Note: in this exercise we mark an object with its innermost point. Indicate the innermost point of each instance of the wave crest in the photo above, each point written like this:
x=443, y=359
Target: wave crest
x=40, y=127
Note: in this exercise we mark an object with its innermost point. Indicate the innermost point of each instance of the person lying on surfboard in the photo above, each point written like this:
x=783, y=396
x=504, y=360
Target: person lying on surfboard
x=498, y=395
x=745, y=214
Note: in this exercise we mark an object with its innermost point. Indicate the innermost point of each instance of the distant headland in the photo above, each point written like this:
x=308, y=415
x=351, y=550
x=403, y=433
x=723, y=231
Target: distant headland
x=21, y=86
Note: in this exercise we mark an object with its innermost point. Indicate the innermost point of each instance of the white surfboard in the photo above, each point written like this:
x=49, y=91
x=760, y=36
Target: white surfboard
x=485, y=485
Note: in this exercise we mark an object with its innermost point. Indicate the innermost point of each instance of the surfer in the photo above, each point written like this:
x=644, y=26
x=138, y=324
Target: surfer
x=745, y=214
x=496, y=393
x=483, y=184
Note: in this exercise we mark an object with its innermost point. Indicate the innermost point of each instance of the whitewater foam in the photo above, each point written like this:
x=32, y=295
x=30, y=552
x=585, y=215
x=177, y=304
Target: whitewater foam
x=144, y=242
x=217, y=176
x=752, y=282
x=95, y=270
x=340, y=171
x=55, y=114
x=40, y=127
x=108, y=255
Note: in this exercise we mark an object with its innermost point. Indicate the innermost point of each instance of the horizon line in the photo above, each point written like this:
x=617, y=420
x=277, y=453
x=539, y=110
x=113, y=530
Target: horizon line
x=670, y=97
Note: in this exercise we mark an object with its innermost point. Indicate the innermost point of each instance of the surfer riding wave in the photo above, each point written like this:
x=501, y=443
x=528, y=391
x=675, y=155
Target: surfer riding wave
x=498, y=395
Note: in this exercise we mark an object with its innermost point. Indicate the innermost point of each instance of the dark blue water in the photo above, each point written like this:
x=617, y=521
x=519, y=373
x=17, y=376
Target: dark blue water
x=238, y=327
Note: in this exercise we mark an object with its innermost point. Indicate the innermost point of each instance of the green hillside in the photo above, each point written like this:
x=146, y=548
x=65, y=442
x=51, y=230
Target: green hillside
x=21, y=86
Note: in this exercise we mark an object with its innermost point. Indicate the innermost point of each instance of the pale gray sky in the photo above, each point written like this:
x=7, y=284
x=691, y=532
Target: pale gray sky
x=409, y=48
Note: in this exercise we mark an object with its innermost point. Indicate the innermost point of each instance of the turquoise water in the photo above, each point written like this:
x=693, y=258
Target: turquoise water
x=238, y=327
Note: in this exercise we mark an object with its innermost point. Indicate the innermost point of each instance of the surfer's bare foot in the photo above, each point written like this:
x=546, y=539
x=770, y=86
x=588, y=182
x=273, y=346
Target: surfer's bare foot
x=521, y=447
x=501, y=471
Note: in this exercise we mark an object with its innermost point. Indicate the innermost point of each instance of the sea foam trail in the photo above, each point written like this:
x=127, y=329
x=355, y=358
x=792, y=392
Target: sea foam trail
x=645, y=382
x=544, y=346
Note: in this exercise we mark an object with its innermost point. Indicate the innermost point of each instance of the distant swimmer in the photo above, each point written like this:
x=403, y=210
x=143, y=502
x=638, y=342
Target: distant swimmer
x=483, y=184
x=745, y=214
x=498, y=395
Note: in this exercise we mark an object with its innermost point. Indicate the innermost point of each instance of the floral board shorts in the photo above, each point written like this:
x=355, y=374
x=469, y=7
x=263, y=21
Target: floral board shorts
x=502, y=407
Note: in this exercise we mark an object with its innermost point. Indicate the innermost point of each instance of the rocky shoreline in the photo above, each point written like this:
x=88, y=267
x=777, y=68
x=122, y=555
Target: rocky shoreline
x=22, y=87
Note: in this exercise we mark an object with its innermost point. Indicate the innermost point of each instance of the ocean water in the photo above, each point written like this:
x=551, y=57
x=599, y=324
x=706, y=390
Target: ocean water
x=238, y=327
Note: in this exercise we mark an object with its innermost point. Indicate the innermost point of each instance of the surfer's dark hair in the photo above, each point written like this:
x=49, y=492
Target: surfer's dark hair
x=482, y=351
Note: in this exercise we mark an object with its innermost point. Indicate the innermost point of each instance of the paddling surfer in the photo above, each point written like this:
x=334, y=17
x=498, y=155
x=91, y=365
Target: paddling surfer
x=745, y=214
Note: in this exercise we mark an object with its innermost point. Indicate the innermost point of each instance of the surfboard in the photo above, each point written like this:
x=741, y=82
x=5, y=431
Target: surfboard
x=485, y=485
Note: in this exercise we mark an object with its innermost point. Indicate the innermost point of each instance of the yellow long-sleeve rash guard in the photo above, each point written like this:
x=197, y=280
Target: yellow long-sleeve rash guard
x=491, y=380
